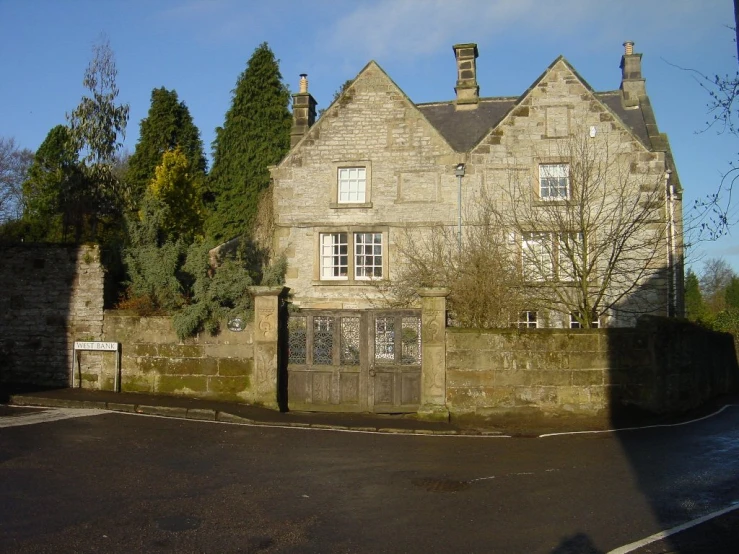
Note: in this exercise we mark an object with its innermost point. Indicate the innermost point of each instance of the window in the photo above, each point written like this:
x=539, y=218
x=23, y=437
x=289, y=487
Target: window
x=575, y=324
x=367, y=262
x=536, y=260
x=554, y=181
x=334, y=256
x=570, y=258
x=368, y=255
x=352, y=185
x=527, y=320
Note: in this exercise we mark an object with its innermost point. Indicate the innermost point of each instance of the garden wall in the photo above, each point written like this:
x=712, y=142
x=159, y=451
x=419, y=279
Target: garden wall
x=659, y=366
x=50, y=296
x=154, y=360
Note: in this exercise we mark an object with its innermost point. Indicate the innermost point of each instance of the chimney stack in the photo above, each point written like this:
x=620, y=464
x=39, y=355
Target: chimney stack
x=632, y=82
x=304, y=112
x=468, y=92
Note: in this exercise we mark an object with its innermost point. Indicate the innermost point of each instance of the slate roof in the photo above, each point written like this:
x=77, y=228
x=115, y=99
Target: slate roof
x=465, y=128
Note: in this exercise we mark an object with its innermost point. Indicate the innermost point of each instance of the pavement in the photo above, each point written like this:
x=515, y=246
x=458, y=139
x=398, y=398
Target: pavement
x=528, y=424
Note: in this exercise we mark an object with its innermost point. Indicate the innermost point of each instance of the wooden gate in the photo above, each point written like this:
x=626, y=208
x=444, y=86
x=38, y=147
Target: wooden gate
x=354, y=361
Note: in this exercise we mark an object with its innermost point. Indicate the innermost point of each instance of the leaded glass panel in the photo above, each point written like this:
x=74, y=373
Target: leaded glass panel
x=350, y=341
x=385, y=338
x=297, y=327
x=411, y=340
x=323, y=340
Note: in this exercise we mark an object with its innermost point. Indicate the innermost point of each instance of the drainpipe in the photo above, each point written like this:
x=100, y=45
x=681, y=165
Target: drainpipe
x=672, y=283
x=459, y=172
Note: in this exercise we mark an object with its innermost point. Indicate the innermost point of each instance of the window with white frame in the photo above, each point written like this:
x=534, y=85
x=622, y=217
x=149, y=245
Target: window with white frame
x=368, y=255
x=527, y=320
x=336, y=262
x=575, y=321
x=352, y=185
x=554, y=181
x=570, y=255
x=334, y=256
x=536, y=256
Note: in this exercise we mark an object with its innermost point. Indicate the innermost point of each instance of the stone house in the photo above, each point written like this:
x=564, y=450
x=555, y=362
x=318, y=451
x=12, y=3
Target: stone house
x=376, y=165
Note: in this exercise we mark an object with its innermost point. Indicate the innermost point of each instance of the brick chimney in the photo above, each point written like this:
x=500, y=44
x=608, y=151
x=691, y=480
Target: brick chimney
x=304, y=112
x=632, y=83
x=468, y=92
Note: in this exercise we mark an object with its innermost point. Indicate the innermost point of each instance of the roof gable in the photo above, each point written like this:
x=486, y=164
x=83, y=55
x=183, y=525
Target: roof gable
x=370, y=71
x=631, y=121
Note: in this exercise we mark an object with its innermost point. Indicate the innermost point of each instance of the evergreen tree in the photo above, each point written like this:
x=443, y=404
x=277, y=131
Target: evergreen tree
x=168, y=125
x=53, y=193
x=695, y=309
x=179, y=190
x=732, y=293
x=255, y=135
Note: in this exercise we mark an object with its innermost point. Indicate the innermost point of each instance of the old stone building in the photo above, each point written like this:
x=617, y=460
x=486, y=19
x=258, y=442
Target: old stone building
x=572, y=175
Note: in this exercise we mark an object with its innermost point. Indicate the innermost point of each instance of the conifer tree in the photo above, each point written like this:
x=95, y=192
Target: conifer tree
x=255, y=135
x=695, y=309
x=168, y=125
x=53, y=193
x=732, y=294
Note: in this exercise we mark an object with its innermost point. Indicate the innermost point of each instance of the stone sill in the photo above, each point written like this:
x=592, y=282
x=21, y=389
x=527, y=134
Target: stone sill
x=338, y=206
x=346, y=282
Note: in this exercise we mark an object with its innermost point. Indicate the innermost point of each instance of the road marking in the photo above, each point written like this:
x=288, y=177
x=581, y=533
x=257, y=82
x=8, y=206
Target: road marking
x=638, y=428
x=664, y=534
x=294, y=428
x=47, y=415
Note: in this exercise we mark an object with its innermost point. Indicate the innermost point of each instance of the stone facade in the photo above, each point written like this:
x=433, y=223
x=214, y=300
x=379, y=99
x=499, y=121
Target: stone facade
x=407, y=153
x=376, y=127
x=51, y=296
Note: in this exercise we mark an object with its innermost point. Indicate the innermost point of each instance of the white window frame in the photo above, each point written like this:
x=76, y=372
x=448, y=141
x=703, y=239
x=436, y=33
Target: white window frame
x=528, y=319
x=334, y=263
x=368, y=255
x=536, y=256
x=352, y=185
x=554, y=181
x=575, y=324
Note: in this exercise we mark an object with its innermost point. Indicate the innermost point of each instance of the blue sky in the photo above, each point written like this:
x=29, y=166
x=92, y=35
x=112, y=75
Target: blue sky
x=199, y=47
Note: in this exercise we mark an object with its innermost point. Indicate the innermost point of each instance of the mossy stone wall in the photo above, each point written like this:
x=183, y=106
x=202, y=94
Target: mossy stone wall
x=660, y=366
x=155, y=361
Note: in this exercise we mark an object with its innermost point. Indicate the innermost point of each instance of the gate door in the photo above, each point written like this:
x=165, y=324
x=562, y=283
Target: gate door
x=395, y=361
x=327, y=361
x=354, y=361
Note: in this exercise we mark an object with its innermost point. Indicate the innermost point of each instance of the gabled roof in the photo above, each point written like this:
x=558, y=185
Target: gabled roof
x=464, y=129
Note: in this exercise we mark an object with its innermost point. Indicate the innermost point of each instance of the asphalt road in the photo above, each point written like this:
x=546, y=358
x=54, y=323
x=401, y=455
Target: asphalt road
x=107, y=482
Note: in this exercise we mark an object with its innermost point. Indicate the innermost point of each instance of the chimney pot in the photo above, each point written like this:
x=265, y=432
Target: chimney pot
x=303, y=83
x=632, y=82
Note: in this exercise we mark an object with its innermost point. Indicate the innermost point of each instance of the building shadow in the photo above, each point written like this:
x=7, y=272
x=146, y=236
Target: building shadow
x=51, y=296
x=664, y=372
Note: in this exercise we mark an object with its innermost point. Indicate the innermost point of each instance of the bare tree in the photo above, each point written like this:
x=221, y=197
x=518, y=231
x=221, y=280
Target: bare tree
x=14, y=165
x=597, y=230
x=714, y=279
x=484, y=286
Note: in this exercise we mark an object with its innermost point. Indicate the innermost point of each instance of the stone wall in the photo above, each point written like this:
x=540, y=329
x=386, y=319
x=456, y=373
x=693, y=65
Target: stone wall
x=660, y=366
x=51, y=296
x=154, y=360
